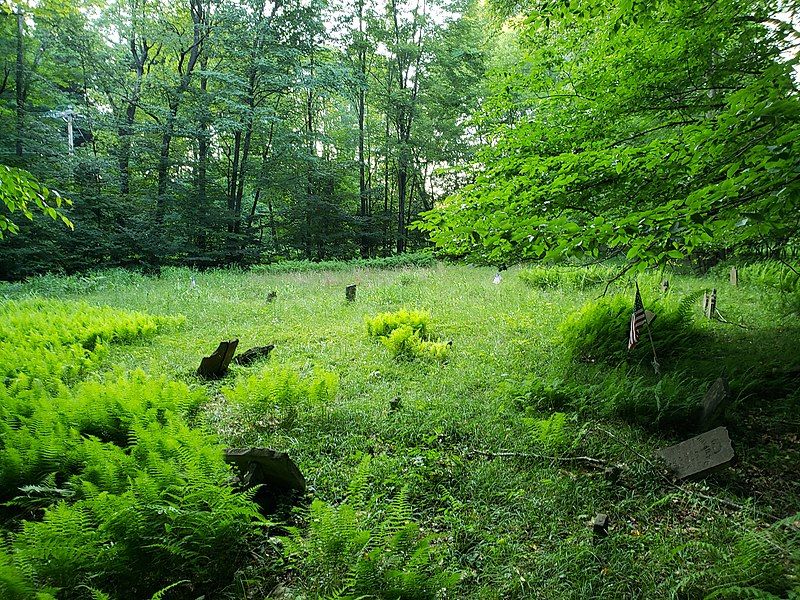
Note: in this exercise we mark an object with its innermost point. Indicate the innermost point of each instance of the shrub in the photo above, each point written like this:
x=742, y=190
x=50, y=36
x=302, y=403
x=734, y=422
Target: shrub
x=383, y=324
x=346, y=555
x=281, y=395
x=755, y=564
x=567, y=277
x=772, y=274
x=398, y=261
x=118, y=490
x=599, y=331
x=406, y=334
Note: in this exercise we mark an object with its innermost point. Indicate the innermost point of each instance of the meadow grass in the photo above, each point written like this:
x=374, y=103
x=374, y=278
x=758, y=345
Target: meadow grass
x=510, y=527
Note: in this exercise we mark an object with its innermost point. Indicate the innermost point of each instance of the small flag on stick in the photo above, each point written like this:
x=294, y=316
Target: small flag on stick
x=638, y=318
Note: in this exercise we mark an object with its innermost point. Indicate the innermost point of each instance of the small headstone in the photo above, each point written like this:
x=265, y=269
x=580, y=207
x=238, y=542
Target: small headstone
x=649, y=316
x=394, y=405
x=600, y=525
x=612, y=473
x=699, y=455
x=497, y=279
x=216, y=365
x=262, y=466
x=714, y=401
x=272, y=295
x=734, y=276
x=665, y=286
x=350, y=292
x=248, y=357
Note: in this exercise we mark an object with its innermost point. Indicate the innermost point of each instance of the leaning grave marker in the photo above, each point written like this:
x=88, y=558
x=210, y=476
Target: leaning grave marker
x=714, y=401
x=216, y=365
x=699, y=455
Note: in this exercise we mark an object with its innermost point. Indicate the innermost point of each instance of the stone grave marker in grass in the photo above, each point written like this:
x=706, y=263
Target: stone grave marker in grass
x=350, y=292
x=714, y=401
x=600, y=525
x=734, y=276
x=263, y=466
x=700, y=455
x=216, y=365
x=248, y=357
x=272, y=295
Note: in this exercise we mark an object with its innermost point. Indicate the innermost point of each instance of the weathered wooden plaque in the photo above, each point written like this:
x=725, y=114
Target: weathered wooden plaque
x=259, y=466
x=714, y=401
x=216, y=365
x=699, y=455
x=248, y=357
x=350, y=292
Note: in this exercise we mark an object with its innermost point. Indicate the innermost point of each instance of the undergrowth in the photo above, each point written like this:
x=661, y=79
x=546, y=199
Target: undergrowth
x=406, y=334
x=105, y=484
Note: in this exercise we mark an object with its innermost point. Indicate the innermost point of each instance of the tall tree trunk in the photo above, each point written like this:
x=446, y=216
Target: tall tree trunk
x=202, y=158
x=20, y=84
x=187, y=61
x=362, y=106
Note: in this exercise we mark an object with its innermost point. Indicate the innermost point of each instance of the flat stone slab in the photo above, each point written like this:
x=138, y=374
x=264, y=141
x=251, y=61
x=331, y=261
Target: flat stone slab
x=248, y=357
x=265, y=466
x=699, y=455
x=216, y=365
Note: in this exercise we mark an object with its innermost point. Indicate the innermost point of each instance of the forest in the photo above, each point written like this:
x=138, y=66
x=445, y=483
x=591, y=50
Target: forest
x=399, y=299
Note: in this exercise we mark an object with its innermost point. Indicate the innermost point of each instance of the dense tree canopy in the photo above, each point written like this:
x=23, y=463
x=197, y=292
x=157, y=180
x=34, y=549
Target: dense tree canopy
x=647, y=129
x=212, y=132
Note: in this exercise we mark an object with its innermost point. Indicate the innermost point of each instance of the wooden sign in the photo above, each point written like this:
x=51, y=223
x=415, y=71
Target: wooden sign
x=699, y=455
x=350, y=292
x=216, y=365
x=734, y=277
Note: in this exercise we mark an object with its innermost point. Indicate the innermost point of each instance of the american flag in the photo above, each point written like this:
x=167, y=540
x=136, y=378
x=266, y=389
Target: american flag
x=638, y=319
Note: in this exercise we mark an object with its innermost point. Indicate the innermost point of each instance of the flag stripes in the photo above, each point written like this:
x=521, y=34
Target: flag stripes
x=638, y=318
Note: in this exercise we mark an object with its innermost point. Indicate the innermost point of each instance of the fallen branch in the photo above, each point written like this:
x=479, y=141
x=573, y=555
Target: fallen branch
x=594, y=462
x=724, y=320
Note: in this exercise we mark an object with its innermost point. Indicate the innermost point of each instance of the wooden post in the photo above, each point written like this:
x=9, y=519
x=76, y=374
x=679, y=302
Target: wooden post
x=711, y=307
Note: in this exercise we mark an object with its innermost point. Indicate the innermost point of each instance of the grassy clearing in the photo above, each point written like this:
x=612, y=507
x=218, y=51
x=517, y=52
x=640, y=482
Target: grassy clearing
x=507, y=527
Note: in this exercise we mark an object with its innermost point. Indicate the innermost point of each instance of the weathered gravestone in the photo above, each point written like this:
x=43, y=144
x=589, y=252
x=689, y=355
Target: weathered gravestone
x=272, y=295
x=699, y=455
x=216, y=365
x=248, y=357
x=734, y=276
x=665, y=286
x=714, y=401
x=350, y=292
x=263, y=466
x=600, y=525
